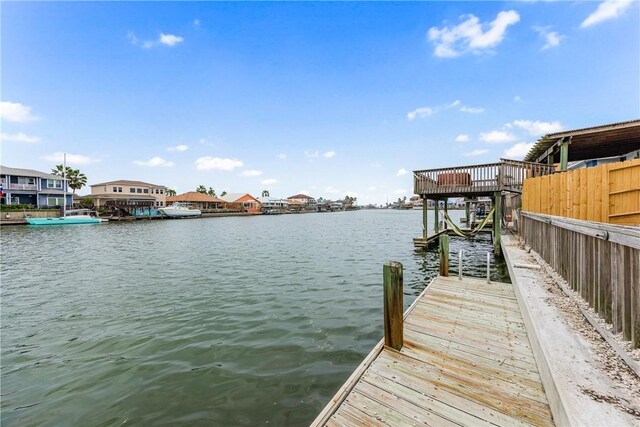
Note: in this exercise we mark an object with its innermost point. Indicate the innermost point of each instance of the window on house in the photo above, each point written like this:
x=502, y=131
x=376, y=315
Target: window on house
x=119, y=189
x=25, y=180
x=55, y=201
x=161, y=203
x=54, y=183
x=146, y=190
x=132, y=190
x=115, y=189
x=161, y=191
x=139, y=190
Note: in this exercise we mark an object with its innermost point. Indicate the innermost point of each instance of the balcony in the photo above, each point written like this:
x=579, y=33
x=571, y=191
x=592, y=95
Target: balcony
x=476, y=180
x=30, y=187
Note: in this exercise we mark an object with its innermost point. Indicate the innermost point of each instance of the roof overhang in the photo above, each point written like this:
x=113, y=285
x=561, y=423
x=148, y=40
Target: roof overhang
x=589, y=143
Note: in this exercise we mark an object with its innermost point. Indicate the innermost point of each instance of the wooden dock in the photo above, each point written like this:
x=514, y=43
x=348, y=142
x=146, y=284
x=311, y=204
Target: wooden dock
x=466, y=360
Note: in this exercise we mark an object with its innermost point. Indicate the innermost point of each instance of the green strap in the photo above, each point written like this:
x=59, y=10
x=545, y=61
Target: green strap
x=460, y=232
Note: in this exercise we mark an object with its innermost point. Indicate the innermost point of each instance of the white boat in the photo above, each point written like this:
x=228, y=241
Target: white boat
x=179, y=210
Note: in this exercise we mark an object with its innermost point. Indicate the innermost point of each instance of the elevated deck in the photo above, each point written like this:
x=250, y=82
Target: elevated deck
x=476, y=180
x=466, y=360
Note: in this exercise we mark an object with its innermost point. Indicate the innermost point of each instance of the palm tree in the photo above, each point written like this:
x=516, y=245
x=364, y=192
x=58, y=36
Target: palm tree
x=201, y=189
x=75, y=179
x=265, y=193
x=224, y=193
x=211, y=192
x=171, y=192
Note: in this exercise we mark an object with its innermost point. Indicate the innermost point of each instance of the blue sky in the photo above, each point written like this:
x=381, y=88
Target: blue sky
x=324, y=98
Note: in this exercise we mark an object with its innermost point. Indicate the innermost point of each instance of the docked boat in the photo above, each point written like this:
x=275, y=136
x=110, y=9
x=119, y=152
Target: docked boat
x=69, y=217
x=75, y=216
x=179, y=210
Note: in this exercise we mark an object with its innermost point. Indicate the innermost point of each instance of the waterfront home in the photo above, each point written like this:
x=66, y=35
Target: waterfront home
x=272, y=203
x=298, y=206
x=128, y=194
x=31, y=187
x=248, y=202
x=308, y=201
x=197, y=200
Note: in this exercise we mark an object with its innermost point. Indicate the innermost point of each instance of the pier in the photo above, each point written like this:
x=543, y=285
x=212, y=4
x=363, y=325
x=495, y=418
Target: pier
x=460, y=355
x=473, y=181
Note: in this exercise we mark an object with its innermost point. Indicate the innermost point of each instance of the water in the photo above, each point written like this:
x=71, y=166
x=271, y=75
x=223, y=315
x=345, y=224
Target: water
x=236, y=321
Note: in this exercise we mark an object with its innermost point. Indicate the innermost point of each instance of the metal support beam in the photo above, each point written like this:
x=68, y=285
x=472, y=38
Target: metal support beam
x=446, y=202
x=436, y=224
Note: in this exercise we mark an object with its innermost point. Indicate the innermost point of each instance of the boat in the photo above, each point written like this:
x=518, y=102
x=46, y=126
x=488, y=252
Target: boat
x=75, y=216
x=179, y=210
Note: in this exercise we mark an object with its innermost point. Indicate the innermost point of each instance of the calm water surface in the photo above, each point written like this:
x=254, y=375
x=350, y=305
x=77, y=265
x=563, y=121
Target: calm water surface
x=236, y=321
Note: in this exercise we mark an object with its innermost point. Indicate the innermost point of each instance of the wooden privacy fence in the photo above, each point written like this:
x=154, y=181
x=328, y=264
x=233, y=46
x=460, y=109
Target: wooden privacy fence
x=599, y=261
x=607, y=193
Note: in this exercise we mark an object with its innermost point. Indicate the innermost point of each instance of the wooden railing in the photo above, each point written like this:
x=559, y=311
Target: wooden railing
x=506, y=175
x=601, y=262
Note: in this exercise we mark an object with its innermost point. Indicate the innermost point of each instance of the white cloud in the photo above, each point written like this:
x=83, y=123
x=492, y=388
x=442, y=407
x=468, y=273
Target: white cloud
x=469, y=36
x=179, y=147
x=154, y=162
x=19, y=137
x=16, y=112
x=476, y=153
x=163, y=39
x=538, y=128
x=269, y=181
x=551, y=38
x=497, y=137
x=282, y=156
x=217, y=163
x=401, y=172
x=518, y=151
x=400, y=191
x=608, y=9
x=329, y=154
x=72, y=159
x=372, y=188
x=196, y=23
x=312, y=154
x=472, y=110
x=250, y=173
x=517, y=98
x=462, y=138
x=419, y=113
x=170, y=39
x=454, y=104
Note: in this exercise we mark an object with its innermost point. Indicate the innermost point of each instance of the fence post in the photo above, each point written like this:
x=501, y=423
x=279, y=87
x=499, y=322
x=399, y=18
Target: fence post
x=393, y=321
x=443, y=252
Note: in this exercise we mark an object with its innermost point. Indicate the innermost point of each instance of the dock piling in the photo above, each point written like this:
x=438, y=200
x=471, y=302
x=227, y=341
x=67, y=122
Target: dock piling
x=497, y=218
x=393, y=305
x=443, y=252
x=460, y=265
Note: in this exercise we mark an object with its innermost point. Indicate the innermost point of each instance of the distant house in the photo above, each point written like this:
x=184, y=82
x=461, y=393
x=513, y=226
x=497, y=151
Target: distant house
x=249, y=203
x=197, y=200
x=298, y=206
x=128, y=194
x=309, y=202
x=272, y=203
x=31, y=187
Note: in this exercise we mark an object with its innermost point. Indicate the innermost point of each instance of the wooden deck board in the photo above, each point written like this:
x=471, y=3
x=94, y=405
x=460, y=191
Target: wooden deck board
x=466, y=360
